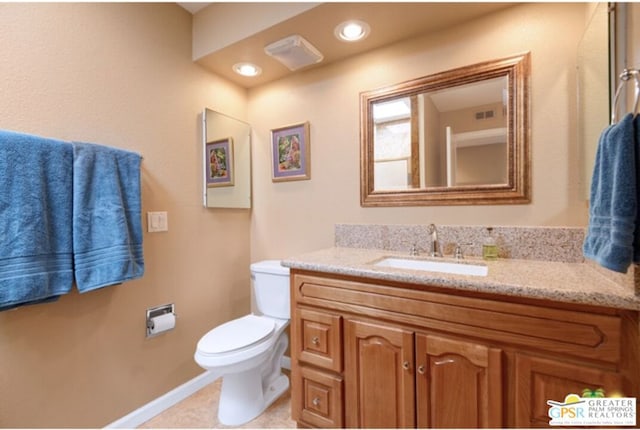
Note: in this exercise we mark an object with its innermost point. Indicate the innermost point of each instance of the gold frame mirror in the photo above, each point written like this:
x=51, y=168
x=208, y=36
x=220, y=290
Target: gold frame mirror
x=413, y=149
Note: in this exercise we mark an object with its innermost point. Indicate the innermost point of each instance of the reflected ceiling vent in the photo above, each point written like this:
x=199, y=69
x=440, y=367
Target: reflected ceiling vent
x=295, y=52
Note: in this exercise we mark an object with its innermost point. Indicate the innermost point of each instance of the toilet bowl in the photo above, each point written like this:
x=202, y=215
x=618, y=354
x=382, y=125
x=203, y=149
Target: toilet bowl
x=247, y=352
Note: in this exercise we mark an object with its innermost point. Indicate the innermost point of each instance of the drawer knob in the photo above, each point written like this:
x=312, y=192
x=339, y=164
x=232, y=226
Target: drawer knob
x=315, y=401
x=315, y=340
x=406, y=365
x=421, y=369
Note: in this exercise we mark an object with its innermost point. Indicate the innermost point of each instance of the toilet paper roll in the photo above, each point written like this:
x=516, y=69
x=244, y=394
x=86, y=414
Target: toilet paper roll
x=162, y=323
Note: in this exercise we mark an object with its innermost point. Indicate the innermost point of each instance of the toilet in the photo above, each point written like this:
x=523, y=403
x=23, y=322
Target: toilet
x=246, y=352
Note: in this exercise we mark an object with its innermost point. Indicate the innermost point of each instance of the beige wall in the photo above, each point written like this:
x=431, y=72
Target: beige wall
x=247, y=18
x=294, y=217
x=120, y=75
x=481, y=164
x=633, y=32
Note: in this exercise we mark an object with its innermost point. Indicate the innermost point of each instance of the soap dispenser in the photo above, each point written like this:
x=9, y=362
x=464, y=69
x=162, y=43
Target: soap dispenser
x=489, y=247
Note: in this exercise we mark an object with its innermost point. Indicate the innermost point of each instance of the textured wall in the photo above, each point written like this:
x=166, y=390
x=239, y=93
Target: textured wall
x=119, y=75
x=299, y=216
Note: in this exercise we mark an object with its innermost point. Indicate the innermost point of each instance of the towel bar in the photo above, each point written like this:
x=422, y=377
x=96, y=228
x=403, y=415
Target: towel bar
x=624, y=77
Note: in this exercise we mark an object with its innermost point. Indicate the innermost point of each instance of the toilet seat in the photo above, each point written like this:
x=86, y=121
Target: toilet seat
x=236, y=335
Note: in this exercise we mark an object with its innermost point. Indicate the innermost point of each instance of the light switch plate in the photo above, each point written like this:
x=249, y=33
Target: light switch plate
x=157, y=221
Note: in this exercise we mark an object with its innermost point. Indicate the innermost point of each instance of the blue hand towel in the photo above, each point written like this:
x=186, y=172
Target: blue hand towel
x=613, y=212
x=107, y=225
x=636, y=236
x=36, y=250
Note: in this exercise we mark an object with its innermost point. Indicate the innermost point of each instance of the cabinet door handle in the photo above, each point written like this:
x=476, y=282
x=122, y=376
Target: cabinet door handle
x=315, y=340
x=421, y=369
x=315, y=401
x=406, y=365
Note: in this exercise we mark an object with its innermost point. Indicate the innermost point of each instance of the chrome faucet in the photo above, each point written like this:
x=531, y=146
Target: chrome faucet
x=435, y=245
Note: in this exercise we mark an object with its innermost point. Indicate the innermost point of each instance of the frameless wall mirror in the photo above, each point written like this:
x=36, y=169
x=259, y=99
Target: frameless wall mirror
x=227, y=161
x=453, y=138
x=597, y=81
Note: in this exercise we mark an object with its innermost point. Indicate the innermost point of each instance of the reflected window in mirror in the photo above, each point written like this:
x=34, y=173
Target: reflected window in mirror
x=394, y=144
x=456, y=137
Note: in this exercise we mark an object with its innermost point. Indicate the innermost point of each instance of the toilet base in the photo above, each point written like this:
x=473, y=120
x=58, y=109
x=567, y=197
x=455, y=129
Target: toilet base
x=242, y=398
x=245, y=395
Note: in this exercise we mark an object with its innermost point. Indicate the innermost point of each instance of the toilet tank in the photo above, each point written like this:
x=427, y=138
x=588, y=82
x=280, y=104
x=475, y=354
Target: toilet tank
x=271, y=288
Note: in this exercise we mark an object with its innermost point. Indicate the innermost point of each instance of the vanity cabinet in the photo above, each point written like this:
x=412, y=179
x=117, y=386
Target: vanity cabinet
x=370, y=353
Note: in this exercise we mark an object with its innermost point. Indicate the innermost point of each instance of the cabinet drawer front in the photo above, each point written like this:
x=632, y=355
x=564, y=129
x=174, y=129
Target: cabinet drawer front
x=319, y=339
x=565, y=331
x=321, y=402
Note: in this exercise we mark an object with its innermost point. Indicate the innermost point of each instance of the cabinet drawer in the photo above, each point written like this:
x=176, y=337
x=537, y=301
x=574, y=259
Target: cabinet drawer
x=319, y=339
x=320, y=398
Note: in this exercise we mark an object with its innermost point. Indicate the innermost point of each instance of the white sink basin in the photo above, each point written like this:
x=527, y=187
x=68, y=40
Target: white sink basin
x=434, y=266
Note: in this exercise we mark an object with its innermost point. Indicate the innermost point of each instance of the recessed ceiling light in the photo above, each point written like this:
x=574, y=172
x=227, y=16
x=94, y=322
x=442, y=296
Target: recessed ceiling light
x=247, y=69
x=352, y=31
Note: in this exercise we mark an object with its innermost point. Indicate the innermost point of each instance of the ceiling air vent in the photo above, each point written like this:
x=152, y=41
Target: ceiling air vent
x=295, y=52
x=485, y=114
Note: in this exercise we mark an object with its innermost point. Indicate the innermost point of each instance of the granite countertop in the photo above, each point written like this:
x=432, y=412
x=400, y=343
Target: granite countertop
x=557, y=281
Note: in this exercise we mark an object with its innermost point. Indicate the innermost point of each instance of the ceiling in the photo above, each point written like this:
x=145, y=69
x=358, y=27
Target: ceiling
x=194, y=7
x=390, y=23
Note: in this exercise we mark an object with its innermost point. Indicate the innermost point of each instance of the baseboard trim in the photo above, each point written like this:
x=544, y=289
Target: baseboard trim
x=164, y=402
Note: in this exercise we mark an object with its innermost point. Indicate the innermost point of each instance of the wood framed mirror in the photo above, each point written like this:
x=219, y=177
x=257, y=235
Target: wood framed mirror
x=459, y=137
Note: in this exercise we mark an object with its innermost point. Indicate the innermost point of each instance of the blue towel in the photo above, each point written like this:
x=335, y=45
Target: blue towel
x=107, y=225
x=636, y=236
x=613, y=213
x=36, y=259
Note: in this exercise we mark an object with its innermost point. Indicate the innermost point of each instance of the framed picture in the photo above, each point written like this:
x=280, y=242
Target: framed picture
x=291, y=160
x=220, y=163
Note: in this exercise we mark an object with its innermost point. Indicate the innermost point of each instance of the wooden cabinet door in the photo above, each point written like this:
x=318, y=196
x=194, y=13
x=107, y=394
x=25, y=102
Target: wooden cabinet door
x=379, y=376
x=540, y=379
x=459, y=384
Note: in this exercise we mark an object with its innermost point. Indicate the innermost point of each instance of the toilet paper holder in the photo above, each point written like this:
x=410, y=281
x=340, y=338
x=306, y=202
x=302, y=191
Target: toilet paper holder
x=155, y=312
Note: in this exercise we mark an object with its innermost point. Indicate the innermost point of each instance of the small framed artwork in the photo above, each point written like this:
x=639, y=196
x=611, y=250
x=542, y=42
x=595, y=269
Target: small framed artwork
x=220, y=163
x=291, y=159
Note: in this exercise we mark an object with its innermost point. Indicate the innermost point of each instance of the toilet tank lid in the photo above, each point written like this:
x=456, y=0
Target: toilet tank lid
x=269, y=266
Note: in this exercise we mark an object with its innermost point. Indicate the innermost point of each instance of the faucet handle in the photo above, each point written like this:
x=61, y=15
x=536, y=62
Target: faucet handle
x=414, y=250
x=457, y=253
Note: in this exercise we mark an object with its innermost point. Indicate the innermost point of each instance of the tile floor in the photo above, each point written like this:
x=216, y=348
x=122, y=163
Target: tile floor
x=200, y=410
